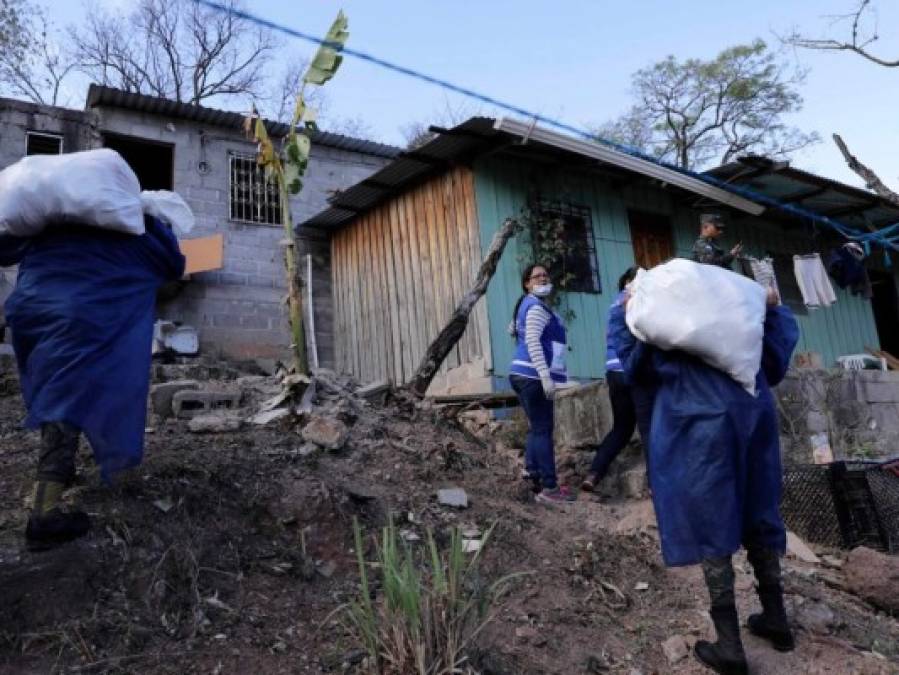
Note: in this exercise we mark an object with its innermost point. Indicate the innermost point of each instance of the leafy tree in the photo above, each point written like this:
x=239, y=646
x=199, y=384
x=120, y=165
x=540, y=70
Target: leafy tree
x=32, y=63
x=693, y=113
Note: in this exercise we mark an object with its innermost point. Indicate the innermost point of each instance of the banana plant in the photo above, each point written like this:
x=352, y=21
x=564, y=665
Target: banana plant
x=287, y=165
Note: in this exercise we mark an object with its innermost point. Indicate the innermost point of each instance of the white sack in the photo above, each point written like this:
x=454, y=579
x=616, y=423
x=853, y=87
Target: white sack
x=705, y=310
x=94, y=187
x=170, y=208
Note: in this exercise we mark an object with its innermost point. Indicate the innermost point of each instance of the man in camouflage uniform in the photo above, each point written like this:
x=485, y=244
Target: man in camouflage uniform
x=706, y=250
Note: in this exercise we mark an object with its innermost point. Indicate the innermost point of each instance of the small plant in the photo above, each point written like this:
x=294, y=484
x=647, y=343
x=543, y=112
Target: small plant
x=545, y=236
x=428, y=612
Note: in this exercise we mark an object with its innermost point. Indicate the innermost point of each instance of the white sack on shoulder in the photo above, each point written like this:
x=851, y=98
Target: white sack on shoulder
x=705, y=310
x=95, y=188
x=170, y=208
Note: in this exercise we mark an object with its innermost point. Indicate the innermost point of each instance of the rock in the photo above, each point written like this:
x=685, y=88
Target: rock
x=327, y=569
x=815, y=617
x=633, y=483
x=326, y=432
x=161, y=395
x=675, y=649
x=641, y=586
x=214, y=424
x=360, y=493
x=471, y=545
x=376, y=392
x=455, y=497
x=874, y=577
x=832, y=561
x=526, y=634
x=307, y=449
x=798, y=549
x=269, y=416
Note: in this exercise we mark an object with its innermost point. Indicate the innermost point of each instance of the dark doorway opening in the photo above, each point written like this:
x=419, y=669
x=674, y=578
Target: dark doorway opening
x=885, y=304
x=651, y=236
x=152, y=162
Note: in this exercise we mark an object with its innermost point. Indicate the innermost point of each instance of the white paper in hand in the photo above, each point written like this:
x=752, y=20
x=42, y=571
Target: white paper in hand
x=96, y=188
x=704, y=310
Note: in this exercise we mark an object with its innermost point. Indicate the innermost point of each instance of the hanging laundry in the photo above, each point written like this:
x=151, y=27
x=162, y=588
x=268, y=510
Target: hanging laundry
x=846, y=268
x=812, y=280
x=763, y=272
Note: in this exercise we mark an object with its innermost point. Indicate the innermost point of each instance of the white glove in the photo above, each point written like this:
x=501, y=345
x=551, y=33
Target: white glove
x=549, y=387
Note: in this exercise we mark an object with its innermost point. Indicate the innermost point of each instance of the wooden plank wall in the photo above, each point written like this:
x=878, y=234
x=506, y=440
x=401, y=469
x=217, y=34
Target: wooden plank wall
x=398, y=272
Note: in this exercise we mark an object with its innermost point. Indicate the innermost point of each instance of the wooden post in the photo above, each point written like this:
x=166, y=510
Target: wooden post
x=294, y=293
x=452, y=331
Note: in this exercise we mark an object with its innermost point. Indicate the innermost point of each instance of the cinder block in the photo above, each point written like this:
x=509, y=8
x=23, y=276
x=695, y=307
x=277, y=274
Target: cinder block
x=162, y=394
x=188, y=404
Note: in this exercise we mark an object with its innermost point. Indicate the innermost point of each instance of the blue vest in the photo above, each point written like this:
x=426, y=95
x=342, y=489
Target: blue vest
x=553, y=342
x=612, y=362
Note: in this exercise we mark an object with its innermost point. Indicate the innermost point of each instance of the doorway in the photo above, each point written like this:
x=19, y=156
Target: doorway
x=153, y=162
x=885, y=303
x=651, y=236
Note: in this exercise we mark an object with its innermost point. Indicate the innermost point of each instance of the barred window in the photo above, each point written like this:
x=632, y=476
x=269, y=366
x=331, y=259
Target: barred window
x=578, y=264
x=40, y=143
x=253, y=198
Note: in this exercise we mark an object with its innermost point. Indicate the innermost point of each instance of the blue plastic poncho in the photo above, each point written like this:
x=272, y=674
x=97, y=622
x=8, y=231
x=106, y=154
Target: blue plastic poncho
x=715, y=466
x=82, y=318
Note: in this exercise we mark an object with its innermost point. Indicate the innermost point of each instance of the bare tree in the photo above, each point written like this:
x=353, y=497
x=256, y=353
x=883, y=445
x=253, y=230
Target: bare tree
x=862, y=34
x=695, y=112
x=176, y=49
x=417, y=134
x=33, y=63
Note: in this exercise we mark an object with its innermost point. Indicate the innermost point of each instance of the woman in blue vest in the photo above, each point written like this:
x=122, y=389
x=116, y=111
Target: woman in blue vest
x=537, y=368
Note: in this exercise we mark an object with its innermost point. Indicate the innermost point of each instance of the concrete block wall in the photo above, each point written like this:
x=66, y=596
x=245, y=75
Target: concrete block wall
x=239, y=309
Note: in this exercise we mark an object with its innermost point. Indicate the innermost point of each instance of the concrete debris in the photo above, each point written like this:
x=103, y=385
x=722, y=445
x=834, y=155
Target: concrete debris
x=215, y=423
x=187, y=404
x=874, y=577
x=798, y=549
x=471, y=545
x=326, y=432
x=269, y=416
x=675, y=649
x=815, y=617
x=161, y=395
x=455, y=497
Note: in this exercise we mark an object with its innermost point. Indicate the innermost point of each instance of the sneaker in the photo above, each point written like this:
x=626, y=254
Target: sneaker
x=589, y=484
x=557, y=495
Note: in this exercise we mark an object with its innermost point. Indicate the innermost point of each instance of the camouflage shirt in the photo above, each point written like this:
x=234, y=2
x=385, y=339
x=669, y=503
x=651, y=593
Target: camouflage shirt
x=706, y=251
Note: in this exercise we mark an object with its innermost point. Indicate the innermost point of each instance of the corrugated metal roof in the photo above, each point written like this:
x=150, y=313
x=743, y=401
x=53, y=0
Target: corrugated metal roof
x=99, y=96
x=851, y=205
x=479, y=135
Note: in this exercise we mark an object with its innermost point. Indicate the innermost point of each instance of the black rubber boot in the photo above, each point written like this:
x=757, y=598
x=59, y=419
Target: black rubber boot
x=48, y=525
x=725, y=656
x=771, y=624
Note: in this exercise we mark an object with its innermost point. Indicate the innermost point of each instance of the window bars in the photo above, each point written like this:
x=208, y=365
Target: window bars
x=580, y=260
x=254, y=199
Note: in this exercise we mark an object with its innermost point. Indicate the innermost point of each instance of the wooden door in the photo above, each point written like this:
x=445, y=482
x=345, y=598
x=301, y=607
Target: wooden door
x=652, y=238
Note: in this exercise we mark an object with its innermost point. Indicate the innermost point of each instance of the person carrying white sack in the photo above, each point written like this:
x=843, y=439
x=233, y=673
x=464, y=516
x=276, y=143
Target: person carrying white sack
x=715, y=465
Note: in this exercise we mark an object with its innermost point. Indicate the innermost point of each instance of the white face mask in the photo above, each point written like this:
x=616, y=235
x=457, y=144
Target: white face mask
x=543, y=290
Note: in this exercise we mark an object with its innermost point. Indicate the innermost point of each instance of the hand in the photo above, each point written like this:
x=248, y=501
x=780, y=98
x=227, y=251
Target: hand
x=736, y=250
x=772, y=298
x=549, y=387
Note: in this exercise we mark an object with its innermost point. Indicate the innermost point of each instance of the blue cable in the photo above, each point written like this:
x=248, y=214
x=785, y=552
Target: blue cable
x=800, y=212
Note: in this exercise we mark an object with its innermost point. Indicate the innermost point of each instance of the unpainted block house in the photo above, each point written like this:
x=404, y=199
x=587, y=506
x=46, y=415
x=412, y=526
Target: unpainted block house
x=406, y=244
x=202, y=154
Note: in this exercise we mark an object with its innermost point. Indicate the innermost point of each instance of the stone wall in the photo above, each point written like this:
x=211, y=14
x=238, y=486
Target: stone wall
x=858, y=410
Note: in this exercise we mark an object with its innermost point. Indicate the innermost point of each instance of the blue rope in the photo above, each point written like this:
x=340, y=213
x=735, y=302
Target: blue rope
x=846, y=231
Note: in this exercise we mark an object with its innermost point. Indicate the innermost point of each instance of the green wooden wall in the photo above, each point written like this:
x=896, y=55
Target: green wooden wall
x=502, y=189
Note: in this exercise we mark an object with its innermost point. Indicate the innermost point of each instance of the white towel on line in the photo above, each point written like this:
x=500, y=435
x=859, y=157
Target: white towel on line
x=814, y=284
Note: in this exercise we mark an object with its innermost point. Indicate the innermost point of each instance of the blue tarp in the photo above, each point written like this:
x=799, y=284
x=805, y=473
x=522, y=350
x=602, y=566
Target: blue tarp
x=714, y=462
x=82, y=318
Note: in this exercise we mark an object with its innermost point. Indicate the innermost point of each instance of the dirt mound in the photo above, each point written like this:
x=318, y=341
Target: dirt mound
x=229, y=552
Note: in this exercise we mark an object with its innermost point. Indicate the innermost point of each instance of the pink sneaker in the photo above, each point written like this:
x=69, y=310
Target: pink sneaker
x=557, y=495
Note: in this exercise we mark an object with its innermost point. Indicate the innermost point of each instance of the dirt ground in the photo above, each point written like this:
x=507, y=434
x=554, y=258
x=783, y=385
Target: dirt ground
x=229, y=552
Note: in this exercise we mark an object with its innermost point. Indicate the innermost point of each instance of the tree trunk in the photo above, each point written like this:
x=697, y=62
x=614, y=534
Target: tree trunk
x=294, y=293
x=452, y=331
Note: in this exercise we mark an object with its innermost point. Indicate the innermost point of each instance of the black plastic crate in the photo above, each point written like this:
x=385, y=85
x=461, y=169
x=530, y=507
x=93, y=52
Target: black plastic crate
x=844, y=504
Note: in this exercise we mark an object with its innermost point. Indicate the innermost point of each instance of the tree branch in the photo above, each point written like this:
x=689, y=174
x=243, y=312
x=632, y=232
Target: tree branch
x=872, y=180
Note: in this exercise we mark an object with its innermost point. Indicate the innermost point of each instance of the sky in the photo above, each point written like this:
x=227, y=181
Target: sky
x=573, y=60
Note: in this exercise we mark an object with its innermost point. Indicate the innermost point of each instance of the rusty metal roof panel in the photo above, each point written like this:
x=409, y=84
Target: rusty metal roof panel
x=99, y=97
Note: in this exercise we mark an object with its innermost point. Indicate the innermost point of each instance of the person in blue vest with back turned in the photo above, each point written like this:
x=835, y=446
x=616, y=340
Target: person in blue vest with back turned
x=538, y=367
x=715, y=472
x=631, y=404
